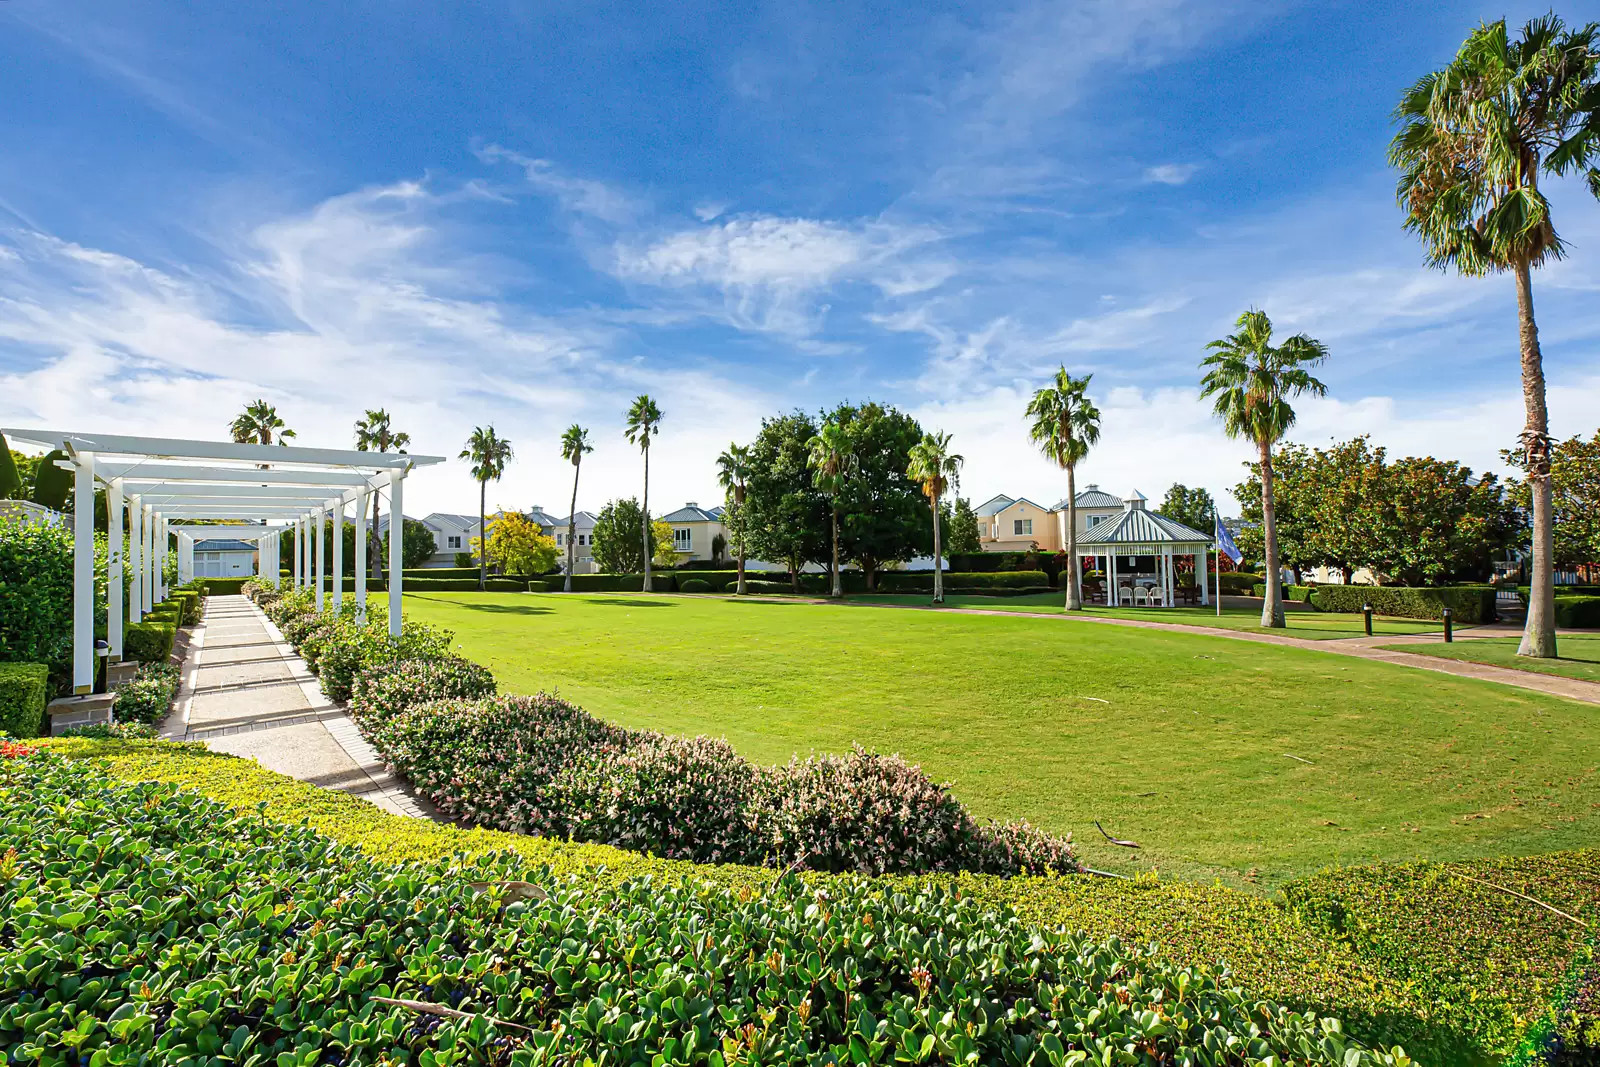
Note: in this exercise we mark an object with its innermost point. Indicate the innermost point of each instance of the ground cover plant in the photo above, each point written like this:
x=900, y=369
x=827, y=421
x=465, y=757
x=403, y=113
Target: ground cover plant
x=1252, y=763
x=1579, y=655
x=147, y=698
x=190, y=930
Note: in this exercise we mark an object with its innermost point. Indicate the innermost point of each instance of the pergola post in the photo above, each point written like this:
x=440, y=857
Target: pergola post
x=148, y=586
x=302, y=548
x=338, y=555
x=185, y=558
x=360, y=562
x=318, y=572
x=114, y=569
x=397, y=536
x=135, y=559
x=83, y=575
x=1202, y=576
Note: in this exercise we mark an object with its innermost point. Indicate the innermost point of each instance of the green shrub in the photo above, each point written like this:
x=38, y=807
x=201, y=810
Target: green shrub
x=1561, y=591
x=1238, y=583
x=1467, y=603
x=694, y=585
x=148, y=697
x=226, y=586
x=344, y=648
x=459, y=585
x=621, y=583
x=189, y=605
x=1290, y=592
x=463, y=561
x=112, y=731
x=470, y=570
x=148, y=642
x=290, y=936
x=754, y=585
x=922, y=581
x=35, y=595
x=1578, y=612
x=381, y=693
x=540, y=585
x=24, y=692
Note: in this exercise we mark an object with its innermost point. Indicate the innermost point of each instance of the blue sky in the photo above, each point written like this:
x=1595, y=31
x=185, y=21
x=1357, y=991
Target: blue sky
x=527, y=213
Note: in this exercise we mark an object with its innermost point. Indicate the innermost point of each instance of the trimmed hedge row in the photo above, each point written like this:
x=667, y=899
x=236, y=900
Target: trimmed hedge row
x=224, y=586
x=24, y=692
x=1578, y=612
x=922, y=581
x=1301, y=593
x=1236, y=583
x=1467, y=603
x=149, y=642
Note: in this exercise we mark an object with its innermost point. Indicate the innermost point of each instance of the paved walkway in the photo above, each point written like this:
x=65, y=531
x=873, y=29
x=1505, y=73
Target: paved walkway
x=245, y=692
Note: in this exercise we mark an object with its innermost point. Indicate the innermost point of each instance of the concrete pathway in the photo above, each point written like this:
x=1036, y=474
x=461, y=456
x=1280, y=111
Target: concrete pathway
x=245, y=692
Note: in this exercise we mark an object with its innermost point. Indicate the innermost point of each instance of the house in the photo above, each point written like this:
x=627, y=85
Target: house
x=451, y=534
x=695, y=531
x=583, y=534
x=1007, y=524
x=224, y=558
x=1095, y=506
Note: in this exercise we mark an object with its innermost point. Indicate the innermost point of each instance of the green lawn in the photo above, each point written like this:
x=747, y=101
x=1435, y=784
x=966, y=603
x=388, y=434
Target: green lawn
x=1302, y=622
x=1182, y=742
x=1580, y=656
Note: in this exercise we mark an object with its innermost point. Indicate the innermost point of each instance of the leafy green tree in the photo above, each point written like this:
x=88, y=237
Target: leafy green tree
x=644, y=422
x=574, y=446
x=488, y=453
x=962, y=536
x=416, y=546
x=52, y=483
x=1474, y=140
x=375, y=433
x=937, y=470
x=615, y=541
x=11, y=484
x=1575, y=498
x=733, y=474
x=785, y=518
x=883, y=515
x=1252, y=382
x=832, y=463
x=663, y=553
x=1192, y=507
x=257, y=423
x=1066, y=424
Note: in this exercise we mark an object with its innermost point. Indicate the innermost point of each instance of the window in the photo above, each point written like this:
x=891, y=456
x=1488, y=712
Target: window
x=453, y=542
x=1094, y=520
x=561, y=539
x=1019, y=527
x=683, y=539
x=583, y=539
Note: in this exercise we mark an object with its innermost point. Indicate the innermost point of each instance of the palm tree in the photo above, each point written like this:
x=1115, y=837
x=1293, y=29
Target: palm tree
x=938, y=469
x=733, y=472
x=375, y=433
x=1065, y=425
x=644, y=422
x=1473, y=139
x=574, y=446
x=257, y=423
x=1252, y=382
x=832, y=460
x=488, y=453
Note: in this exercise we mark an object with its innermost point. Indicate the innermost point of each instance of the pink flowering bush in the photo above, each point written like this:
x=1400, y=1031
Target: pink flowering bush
x=380, y=693
x=348, y=646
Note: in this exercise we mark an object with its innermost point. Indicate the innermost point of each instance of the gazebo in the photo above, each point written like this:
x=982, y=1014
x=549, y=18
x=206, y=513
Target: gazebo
x=267, y=489
x=1140, y=532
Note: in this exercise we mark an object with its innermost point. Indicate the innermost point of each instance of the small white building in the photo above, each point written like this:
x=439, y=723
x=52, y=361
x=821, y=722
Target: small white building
x=224, y=558
x=451, y=534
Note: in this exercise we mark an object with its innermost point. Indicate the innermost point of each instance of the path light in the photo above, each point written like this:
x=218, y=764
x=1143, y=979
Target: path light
x=1449, y=631
x=1366, y=618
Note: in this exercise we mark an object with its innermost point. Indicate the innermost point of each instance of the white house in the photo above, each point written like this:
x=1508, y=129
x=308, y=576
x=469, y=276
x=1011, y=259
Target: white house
x=224, y=558
x=451, y=534
x=583, y=534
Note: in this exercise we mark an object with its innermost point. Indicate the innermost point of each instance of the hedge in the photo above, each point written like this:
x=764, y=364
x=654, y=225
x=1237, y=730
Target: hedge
x=694, y=585
x=922, y=581
x=461, y=585
x=1236, y=583
x=1578, y=612
x=540, y=585
x=1467, y=603
x=225, y=586
x=754, y=585
x=1289, y=956
x=148, y=642
x=662, y=582
x=189, y=932
x=1300, y=593
x=24, y=692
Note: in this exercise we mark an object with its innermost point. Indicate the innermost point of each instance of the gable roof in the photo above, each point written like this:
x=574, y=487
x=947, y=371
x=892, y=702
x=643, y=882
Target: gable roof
x=1092, y=496
x=441, y=518
x=544, y=518
x=1021, y=500
x=691, y=513
x=1139, y=527
x=225, y=544
x=994, y=505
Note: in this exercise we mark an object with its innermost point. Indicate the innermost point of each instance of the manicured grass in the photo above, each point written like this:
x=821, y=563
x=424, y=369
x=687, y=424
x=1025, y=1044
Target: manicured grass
x=1182, y=742
x=1302, y=622
x=1580, y=656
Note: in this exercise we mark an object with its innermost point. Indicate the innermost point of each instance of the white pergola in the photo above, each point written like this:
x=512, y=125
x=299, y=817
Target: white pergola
x=272, y=488
x=1139, y=532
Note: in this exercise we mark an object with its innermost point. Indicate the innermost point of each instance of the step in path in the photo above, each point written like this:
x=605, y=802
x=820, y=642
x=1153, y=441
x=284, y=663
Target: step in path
x=245, y=692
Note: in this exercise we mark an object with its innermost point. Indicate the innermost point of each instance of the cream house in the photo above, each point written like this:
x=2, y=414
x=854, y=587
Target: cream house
x=695, y=530
x=1007, y=524
x=582, y=536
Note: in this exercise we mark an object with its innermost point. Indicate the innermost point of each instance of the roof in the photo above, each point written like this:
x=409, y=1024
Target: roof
x=542, y=517
x=466, y=522
x=994, y=505
x=1139, y=527
x=1092, y=496
x=225, y=545
x=692, y=513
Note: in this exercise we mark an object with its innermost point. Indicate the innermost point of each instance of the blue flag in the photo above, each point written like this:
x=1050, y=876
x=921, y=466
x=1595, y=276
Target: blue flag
x=1225, y=543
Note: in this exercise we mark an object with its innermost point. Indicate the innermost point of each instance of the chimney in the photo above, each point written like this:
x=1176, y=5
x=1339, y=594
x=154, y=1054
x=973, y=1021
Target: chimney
x=691, y=504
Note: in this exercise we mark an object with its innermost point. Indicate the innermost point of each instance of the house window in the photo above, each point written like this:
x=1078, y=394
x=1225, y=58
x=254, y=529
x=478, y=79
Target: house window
x=1094, y=520
x=682, y=539
x=583, y=539
x=1020, y=527
x=561, y=539
x=453, y=542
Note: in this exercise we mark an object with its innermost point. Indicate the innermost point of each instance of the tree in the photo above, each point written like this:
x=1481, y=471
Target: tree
x=257, y=423
x=11, y=483
x=829, y=458
x=937, y=469
x=1574, y=498
x=1192, y=507
x=883, y=516
x=784, y=516
x=961, y=536
x=1252, y=381
x=663, y=553
x=615, y=543
x=416, y=546
x=644, y=422
x=733, y=474
x=1065, y=425
x=375, y=433
x=1473, y=141
x=488, y=453
x=519, y=545
x=574, y=446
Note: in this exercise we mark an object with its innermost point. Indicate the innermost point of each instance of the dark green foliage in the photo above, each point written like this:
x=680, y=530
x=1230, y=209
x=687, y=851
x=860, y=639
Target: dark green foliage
x=617, y=543
x=380, y=693
x=439, y=572
x=463, y=560
x=883, y=516
x=694, y=585
x=24, y=692
x=190, y=931
x=189, y=605
x=148, y=642
x=755, y=585
x=35, y=595
x=52, y=484
x=1290, y=592
x=539, y=585
x=225, y=586
x=1237, y=583
x=417, y=546
x=1467, y=603
x=1578, y=612
x=1192, y=507
x=457, y=585
x=664, y=582
x=786, y=519
x=10, y=476
x=148, y=697
x=962, y=581
x=961, y=535
x=339, y=648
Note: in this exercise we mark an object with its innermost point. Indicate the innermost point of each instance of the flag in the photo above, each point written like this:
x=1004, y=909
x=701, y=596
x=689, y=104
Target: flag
x=1225, y=543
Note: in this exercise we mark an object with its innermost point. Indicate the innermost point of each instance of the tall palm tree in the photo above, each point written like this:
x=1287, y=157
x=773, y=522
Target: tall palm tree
x=488, y=453
x=832, y=461
x=1066, y=424
x=733, y=474
x=257, y=423
x=574, y=446
x=1252, y=382
x=644, y=422
x=375, y=433
x=938, y=469
x=1473, y=139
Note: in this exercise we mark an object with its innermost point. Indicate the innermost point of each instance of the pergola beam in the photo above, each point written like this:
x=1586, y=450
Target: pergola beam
x=176, y=448
x=157, y=473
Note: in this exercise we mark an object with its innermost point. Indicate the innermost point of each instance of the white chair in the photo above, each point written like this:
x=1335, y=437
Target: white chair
x=1124, y=595
x=1141, y=593
x=1156, y=596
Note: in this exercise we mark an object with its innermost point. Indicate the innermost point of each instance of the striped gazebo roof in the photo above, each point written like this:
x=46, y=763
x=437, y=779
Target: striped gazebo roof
x=1136, y=526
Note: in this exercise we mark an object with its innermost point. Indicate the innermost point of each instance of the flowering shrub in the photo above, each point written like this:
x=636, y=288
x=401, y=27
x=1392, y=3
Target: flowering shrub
x=148, y=697
x=1006, y=848
x=113, y=731
x=347, y=647
x=10, y=749
x=381, y=693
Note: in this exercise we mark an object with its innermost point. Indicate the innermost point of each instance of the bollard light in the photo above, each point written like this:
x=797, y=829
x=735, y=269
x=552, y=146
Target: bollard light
x=1449, y=631
x=1366, y=618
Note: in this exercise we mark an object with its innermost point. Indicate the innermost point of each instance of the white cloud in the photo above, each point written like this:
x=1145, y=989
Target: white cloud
x=581, y=196
x=1170, y=173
